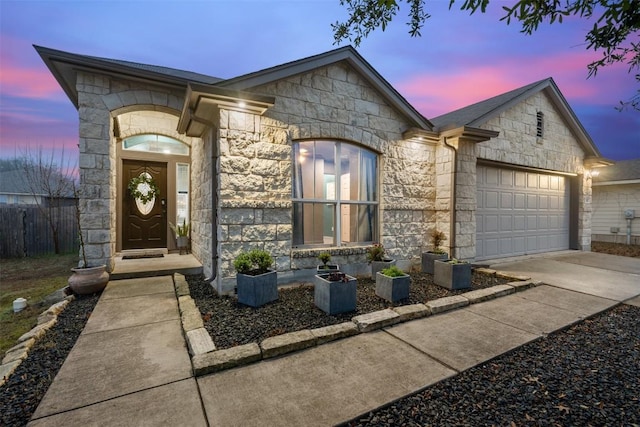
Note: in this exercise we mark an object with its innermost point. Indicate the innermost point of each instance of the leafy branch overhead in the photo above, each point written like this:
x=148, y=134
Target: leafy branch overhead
x=615, y=32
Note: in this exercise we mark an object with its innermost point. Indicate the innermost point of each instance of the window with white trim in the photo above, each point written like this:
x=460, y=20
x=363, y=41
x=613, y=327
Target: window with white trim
x=335, y=194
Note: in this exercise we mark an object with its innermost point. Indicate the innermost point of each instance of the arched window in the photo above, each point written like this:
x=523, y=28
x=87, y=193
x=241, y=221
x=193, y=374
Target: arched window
x=335, y=194
x=155, y=144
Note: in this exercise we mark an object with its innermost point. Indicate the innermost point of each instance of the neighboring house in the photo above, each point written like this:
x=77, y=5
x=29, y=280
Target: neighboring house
x=321, y=154
x=15, y=190
x=616, y=191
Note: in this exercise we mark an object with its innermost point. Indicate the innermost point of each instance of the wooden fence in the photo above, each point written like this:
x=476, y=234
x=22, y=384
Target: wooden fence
x=25, y=231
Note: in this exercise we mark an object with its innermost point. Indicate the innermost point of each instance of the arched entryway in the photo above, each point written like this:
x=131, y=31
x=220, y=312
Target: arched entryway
x=153, y=181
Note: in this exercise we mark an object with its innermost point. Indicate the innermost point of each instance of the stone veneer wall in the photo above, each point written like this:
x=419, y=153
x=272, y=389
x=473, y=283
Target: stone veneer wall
x=100, y=98
x=333, y=102
x=517, y=144
x=202, y=214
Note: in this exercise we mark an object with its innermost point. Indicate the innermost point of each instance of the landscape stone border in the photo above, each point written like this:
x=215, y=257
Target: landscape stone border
x=16, y=354
x=206, y=359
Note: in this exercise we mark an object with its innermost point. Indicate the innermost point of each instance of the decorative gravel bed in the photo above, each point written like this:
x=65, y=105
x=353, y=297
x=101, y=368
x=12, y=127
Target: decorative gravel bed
x=586, y=375
x=231, y=324
x=22, y=393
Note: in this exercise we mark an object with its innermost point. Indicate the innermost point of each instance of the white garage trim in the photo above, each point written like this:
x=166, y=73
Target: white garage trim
x=521, y=212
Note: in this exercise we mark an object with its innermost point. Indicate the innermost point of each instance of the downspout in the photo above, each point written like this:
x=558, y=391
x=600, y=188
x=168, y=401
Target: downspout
x=452, y=213
x=214, y=206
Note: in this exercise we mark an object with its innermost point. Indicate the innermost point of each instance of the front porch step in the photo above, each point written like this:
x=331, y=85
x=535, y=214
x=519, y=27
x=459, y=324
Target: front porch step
x=150, y=267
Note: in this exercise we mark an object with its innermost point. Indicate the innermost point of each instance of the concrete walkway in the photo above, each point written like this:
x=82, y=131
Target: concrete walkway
x=130, y=365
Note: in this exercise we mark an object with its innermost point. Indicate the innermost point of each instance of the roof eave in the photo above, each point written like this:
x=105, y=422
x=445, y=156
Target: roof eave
x=597, y=162
x=348, y=54
x=64, y=66
x=203, y=101
x=470, y=133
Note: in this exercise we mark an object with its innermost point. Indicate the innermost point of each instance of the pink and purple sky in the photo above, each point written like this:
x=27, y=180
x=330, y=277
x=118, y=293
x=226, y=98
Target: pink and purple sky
x=459, y=59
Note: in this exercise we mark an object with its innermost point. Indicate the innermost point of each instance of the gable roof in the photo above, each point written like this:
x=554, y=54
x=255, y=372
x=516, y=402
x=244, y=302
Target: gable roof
x=63, y=66
x=624, y=170
x=481, y=112
x=344, y=54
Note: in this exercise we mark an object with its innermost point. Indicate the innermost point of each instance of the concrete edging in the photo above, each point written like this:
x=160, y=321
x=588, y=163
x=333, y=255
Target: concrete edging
x=207, y=362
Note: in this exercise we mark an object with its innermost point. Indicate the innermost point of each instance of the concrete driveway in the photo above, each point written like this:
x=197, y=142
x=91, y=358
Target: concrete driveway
x=606, y=276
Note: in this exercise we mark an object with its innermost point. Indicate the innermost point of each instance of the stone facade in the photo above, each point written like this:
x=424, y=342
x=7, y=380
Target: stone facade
x=332, y=102
x=517, y=144
x=241, y=168
x=102, y=98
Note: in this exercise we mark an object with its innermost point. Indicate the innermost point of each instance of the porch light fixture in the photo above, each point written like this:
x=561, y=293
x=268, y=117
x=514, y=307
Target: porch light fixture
x=592, y=173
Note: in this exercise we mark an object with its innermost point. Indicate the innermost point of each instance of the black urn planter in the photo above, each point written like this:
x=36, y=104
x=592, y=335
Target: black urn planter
x=428, y=258
x=255, y=291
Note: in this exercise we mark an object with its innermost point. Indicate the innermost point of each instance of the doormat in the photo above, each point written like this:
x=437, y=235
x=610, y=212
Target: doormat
x=143, y=256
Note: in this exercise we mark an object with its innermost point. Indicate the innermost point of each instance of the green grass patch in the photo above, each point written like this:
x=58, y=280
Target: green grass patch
x=32, y=279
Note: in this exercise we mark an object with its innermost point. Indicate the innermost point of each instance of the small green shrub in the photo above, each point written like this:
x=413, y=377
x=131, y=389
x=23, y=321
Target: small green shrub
x=437, y=237
x=254, y=262
x=393, y=271
x=324, y=257
x=375, y=252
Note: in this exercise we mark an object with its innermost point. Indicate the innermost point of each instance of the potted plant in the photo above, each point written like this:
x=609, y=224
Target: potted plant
x=377, y=259
x=182, y=235
x=392, y=284
x=335, y=292
x=437, y=237
x=256, y=283
x=452, y=274
x=85, y=279
x=325, y=267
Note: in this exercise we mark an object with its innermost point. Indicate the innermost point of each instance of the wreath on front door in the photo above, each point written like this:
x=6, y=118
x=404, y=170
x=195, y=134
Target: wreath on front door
x=143, y=188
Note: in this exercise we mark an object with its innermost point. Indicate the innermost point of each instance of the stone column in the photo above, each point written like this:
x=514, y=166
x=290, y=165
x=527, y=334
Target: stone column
x=97, y=170
x=584, y=212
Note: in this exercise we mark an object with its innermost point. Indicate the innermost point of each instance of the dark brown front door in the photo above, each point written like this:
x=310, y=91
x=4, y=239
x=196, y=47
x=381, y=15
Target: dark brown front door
x=144, y=226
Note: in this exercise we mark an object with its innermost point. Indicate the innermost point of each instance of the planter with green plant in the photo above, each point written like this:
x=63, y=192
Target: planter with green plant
x=85, y=279
x=392, y=284
x=428, y=258
x=182, y=235
x=256, y=283
x=452, y=274
x=325, y=267
x=335, y=292
x=376, y=256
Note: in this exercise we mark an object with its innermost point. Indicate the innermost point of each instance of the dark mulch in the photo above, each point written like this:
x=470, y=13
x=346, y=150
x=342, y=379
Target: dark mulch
x=231, y=323
x=616, y=249
x=21, y=394
x=588, y=375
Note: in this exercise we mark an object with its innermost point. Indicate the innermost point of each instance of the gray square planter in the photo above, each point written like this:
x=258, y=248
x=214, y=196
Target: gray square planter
x=334, y=297
x=392, y=288
x=255, y=291
x=452, y=276
x=427, y=260
x=329, y=268
x=377, y=266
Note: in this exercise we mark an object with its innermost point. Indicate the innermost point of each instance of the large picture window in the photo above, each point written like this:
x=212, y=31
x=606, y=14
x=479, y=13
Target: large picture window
x=335, y=194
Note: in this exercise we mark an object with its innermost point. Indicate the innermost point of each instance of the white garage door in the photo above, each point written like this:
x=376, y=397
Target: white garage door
x=520, y=212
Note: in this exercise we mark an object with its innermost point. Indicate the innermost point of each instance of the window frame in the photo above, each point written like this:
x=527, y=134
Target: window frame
x=338, y=202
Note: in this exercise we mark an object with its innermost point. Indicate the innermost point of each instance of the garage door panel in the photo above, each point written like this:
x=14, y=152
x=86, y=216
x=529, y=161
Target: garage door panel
x=491, y=223
x=520, y=212
x=491, y=199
